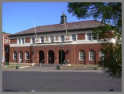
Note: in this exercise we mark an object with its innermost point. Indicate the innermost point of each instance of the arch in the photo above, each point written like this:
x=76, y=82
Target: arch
x=92, y=55
x=20, y=56
x=82, y=55
x=61, y=56
x=41, y=56
x=26, y=55
x=15, y=55
x=51, y=57
x=101, y=55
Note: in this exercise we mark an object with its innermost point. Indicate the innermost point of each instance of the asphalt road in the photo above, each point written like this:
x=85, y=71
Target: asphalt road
x=24, y=81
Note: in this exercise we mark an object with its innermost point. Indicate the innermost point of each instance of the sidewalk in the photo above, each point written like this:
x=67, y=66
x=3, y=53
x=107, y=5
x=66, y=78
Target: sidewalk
x=49, y=69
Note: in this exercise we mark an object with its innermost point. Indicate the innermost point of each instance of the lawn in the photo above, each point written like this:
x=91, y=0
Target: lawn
x=13, y=65
x=81, y=67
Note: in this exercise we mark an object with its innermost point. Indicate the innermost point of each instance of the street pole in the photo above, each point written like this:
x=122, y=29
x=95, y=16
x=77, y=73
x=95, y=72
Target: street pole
x=61, y=53
x=17, y=59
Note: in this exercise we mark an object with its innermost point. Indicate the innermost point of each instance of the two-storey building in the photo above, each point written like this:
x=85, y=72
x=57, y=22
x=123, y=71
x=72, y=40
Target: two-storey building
x=5, y=47
x=57, y=43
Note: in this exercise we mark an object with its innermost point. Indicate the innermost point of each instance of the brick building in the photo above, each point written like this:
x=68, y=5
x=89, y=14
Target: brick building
x=57, y=43
x=5, y=47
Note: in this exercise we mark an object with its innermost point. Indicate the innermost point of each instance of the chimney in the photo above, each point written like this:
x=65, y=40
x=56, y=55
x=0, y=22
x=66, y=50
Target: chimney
x=63, y=19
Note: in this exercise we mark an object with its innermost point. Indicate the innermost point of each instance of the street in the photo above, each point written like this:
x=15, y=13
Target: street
x=25, y=81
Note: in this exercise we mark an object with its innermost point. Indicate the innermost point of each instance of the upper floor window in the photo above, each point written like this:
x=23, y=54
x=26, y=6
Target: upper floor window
x=89, y=36
x=33, y=40
x=56, y=38
x=21, y=41
x=74, y=37
x=42, y=39
x=6, y=40
x=62, y=38
x=47, y=38
x=92, y=55
x=52, y=38
x=67, y=37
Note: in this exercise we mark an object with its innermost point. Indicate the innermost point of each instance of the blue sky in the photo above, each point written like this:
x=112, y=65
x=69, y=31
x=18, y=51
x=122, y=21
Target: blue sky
x=19, y=16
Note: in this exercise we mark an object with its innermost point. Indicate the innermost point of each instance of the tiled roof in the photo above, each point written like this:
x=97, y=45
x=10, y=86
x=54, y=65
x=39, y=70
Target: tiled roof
x=61, y=27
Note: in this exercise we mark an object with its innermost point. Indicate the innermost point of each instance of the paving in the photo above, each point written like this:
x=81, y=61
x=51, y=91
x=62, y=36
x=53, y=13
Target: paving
x=48, y=68
x=33, y=81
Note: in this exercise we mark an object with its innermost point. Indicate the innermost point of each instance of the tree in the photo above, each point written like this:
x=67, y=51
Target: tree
x=109, y=13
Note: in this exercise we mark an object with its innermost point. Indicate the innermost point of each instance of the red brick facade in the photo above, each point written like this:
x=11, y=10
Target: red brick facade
x=71, y=53
x=81, y=36
x=13, y=41
x=5, y=47
x=27, y=40
x=50, y=50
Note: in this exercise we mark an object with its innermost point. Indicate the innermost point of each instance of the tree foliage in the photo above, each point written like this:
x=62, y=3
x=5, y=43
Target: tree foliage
x=109, y=13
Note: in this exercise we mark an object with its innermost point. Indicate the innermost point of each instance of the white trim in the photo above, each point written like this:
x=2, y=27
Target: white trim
x=94, y=55
x=13, y=55
x=25, y=56
x=79, y=56
x=20, y=60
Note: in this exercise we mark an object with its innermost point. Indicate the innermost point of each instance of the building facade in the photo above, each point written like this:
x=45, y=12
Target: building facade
x=5, y=47
x=71, y=43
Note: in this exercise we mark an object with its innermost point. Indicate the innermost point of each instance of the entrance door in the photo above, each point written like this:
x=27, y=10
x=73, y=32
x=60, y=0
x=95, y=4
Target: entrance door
x=51, y=57
x=41, y=57
x=61, y=56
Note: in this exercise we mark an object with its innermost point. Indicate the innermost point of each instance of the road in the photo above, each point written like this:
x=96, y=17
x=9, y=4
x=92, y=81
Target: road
x=25, y=81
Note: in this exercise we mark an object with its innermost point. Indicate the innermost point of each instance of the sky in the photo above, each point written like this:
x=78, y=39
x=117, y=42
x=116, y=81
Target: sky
x=19, y=16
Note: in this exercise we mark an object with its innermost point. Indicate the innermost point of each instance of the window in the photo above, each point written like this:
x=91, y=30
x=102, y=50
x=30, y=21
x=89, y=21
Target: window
x=74, y=37
x=102, y=55
x=33, y=40
x=81, y=55
x=21, y=41
x=14, y=55
x=47, y=38
x=67, y=37
x=26, y=55
x=52, y=39
x=20, y=56
x=42, y=39
x=89, y=36
x=62, y=38
x=92, y=55
x=6, y=49
x=56, y=38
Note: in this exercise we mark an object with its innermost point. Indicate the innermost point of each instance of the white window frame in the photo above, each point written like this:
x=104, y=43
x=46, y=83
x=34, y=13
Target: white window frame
x=20, y=59
x=14, y=53
x=51, y=39
x=92, y=56
x=41, y=39
x=32, y=39
x=75, y=37
x=61, y=38
x=26, y=53
x=58, y=38
x=80, y=55
x=20, y=41
x=101, y=55
x=48, y=39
